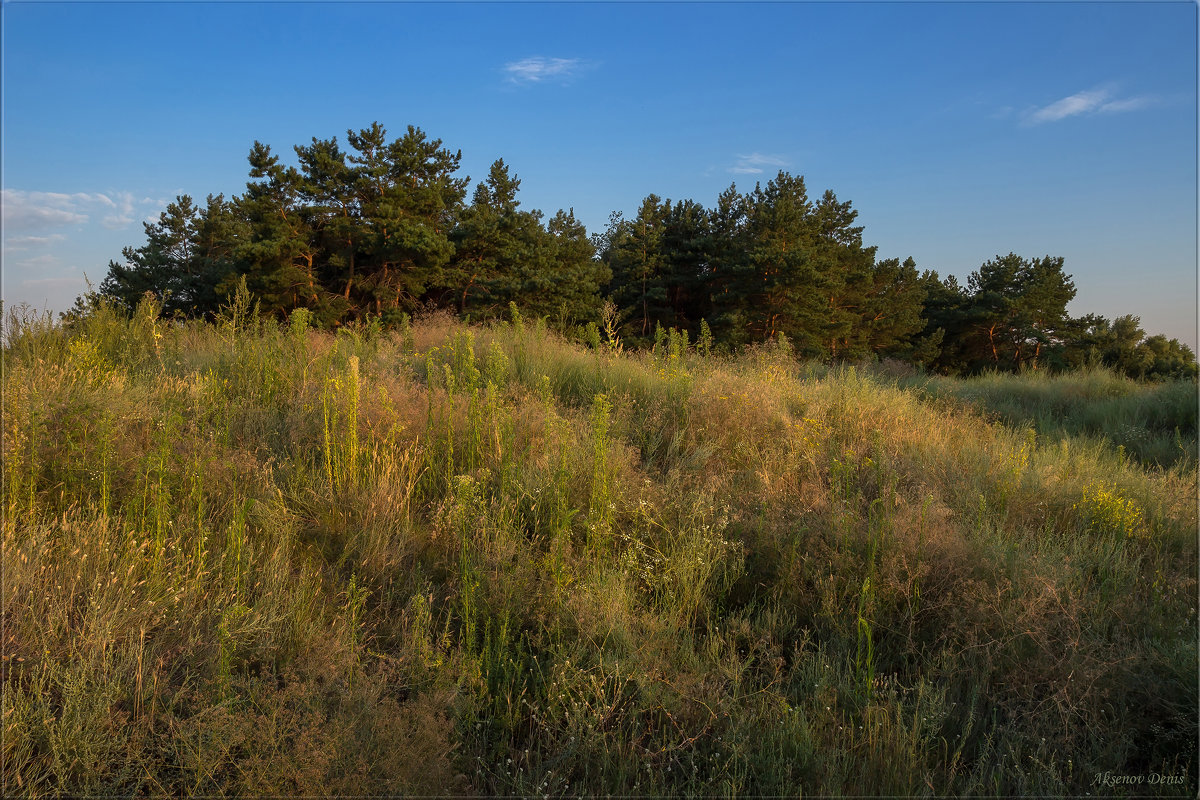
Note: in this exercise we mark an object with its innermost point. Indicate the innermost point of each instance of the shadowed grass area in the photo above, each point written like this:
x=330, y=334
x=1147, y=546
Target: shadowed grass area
x=248, y=559
x=1152, y=423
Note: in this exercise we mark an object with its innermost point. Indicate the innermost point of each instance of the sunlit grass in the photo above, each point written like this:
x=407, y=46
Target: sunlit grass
x=250, y=559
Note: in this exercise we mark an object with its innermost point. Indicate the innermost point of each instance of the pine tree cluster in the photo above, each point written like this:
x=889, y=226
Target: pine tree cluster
x=383, y=229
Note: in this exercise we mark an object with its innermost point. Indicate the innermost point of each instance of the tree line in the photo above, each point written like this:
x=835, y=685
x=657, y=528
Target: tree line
x=382, y=229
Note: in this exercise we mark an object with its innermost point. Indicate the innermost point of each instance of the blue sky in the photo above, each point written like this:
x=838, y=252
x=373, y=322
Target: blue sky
x=959, y=131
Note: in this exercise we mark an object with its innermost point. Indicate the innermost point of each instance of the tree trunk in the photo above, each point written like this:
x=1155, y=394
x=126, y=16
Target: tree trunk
x=462, y=303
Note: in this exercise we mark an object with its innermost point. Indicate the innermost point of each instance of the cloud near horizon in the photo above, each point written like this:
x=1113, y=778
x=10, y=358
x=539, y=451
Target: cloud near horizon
x=753, y=163
x=45, y=261
x=1093, y=101
x=537, y=69
x=70, y=282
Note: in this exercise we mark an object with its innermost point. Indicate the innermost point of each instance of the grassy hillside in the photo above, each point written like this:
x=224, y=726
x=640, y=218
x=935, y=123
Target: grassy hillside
x=246, y=560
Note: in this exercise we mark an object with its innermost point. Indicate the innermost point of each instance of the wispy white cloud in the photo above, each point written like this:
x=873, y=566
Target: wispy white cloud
x=1092, y=101
x=537, y=69
x=754, y=163
x=1080, y=103
x=21, y=243
x=1126, y=104
x=26, y=211
x=123, y=203
x=36, y=211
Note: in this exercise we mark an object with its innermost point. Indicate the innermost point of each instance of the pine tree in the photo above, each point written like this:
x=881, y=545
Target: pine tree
x=279, y=254
x=889, y=315
x=160, y=266
x=502, y=252
x=857, y=288
x=1017, y=309
x=326, y=188
x=409, y=202
x=792, y=267
x=728, y=249
x=572, y=293
x=638, y=268
x=217, y=232
x=686, y=245
x=940, y=345
x=188, y=252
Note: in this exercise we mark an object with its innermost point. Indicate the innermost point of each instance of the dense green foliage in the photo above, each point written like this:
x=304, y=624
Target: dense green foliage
x=383, y=229
x=251, y=558
x=379, y=230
